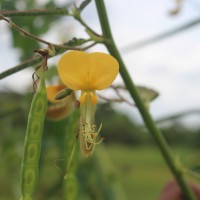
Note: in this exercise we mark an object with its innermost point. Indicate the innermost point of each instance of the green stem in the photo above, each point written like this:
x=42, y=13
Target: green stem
x=35, y=12
x=27, y=63
x=157, y=135
x=79, y=18
x=77, y=15
x=26, y=33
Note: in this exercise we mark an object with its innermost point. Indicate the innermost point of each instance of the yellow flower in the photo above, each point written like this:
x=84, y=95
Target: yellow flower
x=58, y=109
x=87, y=72
x=52, y=90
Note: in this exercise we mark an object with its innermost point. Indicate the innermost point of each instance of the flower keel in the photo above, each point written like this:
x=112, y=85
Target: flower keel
x=88, y=135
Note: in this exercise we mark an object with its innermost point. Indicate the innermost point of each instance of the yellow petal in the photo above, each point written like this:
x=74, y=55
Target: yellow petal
x=73, y=70
x=104, y=69
x=87, y=71
x=52, y=91
x=60, y=108
x=58, y=112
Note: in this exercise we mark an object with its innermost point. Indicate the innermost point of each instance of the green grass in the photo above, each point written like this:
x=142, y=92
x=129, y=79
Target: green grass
x=141, y=170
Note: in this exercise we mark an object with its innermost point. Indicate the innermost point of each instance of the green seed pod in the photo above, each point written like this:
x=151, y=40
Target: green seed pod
x=32, y=146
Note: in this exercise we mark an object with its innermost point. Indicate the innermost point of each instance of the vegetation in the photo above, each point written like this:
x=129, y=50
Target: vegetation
x=118, y=171
x=130, y=161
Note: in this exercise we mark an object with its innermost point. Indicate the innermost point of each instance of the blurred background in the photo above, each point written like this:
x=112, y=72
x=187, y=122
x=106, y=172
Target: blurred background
x=159, y=42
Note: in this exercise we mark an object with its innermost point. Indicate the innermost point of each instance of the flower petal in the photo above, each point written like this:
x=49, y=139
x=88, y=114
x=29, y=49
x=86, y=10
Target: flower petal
x=58, y=112
x=52, y=91
x=73, y=69
x=87, y=71
x=104, y=69
x=58, y=109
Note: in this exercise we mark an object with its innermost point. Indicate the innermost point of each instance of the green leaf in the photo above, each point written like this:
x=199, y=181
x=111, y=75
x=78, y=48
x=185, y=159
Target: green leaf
x=147, y=94
x=76, y=41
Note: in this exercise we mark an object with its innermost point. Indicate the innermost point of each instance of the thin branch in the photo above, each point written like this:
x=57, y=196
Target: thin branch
x=120, y=98
x=116, y=89
x=81, y=21
x=37, y=12
x=77, y=16
x=26, y=33
x=33, y=61
x=34, y=12
x=115, y=100
x=54, y=11
x=141, y=44
x=178, y=115
x=27, y=63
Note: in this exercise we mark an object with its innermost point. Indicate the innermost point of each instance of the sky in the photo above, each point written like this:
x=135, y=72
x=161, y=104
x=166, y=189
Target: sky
x=171, y=66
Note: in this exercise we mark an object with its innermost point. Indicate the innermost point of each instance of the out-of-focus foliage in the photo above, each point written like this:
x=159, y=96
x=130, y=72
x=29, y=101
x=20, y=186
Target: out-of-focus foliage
x=117, y=128
x=179, y=134
x=14, y=113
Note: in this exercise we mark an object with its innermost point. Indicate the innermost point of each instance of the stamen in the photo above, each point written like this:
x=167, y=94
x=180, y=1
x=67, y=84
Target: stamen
x=90, y=134
x=88, y=100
